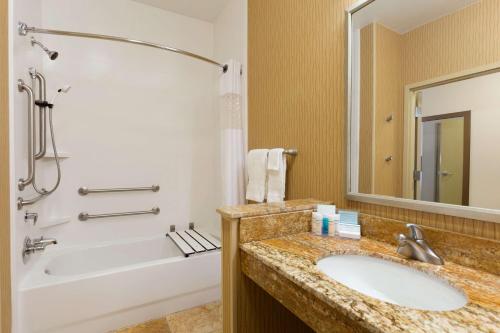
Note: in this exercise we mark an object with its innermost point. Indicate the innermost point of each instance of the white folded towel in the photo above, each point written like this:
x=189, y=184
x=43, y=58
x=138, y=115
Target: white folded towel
x=276, y=175
x=256, y=169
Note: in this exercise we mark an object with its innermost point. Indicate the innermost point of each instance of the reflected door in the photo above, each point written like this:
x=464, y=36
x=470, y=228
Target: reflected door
x=445, y=158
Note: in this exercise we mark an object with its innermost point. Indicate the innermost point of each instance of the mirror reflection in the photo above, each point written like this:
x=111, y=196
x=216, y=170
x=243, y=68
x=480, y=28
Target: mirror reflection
x=425, y=101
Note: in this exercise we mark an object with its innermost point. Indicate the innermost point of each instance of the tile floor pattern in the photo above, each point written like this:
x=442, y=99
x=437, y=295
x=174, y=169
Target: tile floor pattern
x=202, y=319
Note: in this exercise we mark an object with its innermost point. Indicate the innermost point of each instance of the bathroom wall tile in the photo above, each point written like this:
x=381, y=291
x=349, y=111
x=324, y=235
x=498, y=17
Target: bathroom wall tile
x=275, y=225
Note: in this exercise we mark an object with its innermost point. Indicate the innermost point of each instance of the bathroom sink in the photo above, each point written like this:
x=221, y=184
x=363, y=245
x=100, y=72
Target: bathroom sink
x=392, y=282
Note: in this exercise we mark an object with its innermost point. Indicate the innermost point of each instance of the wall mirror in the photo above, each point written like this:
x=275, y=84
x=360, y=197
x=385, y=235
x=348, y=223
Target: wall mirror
x=424, y=105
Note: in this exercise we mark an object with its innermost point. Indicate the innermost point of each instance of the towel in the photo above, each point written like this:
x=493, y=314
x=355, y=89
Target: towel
x=256, y=169
x=276, y=175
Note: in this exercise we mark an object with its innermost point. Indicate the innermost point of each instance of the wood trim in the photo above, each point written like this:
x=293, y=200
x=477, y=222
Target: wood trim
x=446, y=116
x=5, y=283
x=230, y=274
x=466, y=168
x=466, y=154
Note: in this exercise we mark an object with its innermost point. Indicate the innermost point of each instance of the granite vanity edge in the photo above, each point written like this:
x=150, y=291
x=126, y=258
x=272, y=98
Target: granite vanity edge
x=250, y=210
x=351, y=313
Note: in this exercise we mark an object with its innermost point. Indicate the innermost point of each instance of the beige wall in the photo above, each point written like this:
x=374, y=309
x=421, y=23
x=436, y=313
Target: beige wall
x=296, y=99
x=297, y=90
x=5, y=305
x=450, y=44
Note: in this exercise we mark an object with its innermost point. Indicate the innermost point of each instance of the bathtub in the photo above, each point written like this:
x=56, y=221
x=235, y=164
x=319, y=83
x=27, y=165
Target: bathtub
x=107, y=286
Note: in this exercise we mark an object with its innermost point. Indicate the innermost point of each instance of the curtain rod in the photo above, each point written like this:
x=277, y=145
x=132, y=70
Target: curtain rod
x=23, y=30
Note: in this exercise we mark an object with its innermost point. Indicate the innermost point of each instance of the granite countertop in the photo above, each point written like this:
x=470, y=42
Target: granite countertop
x=235, y=212
x=294, y=257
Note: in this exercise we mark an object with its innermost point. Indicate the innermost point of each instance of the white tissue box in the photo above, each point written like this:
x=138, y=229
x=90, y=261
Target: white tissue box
x=352, y=231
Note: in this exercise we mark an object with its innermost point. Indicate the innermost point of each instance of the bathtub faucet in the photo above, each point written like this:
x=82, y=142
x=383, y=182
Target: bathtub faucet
x=44, y=242
x=36, y=245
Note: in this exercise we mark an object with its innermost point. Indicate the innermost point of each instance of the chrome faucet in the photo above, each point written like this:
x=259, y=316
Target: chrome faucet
x=44, y=241
x=414, y=246
x=36, y=245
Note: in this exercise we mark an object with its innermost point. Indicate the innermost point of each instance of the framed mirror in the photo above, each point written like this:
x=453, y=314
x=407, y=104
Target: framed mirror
x=424, y=105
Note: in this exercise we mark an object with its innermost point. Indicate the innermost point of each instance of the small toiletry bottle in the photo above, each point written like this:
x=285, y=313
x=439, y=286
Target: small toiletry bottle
x=324, y=229
x=333, y=219
x=317, y=223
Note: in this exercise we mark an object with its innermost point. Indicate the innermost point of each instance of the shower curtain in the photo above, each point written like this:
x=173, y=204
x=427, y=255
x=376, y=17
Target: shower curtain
x=232, y=146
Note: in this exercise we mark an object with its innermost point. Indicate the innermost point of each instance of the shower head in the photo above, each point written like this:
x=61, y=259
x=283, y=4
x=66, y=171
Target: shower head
x=52, y=54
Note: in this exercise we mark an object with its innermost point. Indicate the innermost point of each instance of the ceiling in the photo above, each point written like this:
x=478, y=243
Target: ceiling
x=405, y=15
x=206, y=10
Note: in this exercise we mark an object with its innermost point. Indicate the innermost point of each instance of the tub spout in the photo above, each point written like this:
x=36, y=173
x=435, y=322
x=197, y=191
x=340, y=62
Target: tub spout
x=44, y=241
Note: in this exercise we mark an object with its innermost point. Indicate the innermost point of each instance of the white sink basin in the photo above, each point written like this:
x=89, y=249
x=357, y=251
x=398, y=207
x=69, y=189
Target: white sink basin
x=392, y=282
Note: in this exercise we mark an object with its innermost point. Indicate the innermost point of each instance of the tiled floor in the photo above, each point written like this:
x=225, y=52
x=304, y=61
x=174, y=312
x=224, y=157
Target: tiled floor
x=202, y=319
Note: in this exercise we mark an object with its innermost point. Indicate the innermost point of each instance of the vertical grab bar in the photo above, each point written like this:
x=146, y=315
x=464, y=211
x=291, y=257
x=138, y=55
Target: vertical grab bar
x=42, y=127
x=21, y=86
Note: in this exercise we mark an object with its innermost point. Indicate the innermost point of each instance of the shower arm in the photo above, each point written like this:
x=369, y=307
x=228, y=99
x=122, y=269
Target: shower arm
x=23, y=30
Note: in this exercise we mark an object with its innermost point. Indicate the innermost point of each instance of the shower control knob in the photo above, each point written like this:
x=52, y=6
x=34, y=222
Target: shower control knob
x=30, y=217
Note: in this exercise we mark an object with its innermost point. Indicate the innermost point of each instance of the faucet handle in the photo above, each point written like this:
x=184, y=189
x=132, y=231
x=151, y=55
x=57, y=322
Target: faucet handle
x=415, y=231
x=30, y=216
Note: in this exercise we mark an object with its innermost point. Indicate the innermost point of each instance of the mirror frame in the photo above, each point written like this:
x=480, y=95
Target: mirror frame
x=477, y=213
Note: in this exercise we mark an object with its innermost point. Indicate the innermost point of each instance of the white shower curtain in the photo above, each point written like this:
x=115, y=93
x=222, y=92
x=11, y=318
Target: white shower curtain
x=232, y=146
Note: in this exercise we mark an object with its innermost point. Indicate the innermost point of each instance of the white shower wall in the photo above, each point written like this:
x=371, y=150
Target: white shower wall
x=135, y=116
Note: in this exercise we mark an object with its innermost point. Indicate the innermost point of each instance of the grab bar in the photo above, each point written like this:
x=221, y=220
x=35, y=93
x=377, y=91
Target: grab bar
x=42, y=96
x=21, y=86
x=86, y=216
x=85, y=190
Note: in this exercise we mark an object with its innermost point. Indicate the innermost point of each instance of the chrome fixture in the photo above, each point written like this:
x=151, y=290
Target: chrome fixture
x=22, y=202
x=44, y=241
x=23, y=30
x=36, y=245
x=86, y=216
x=52, y=54
x=23, y=182
x=291, y=152
x=42, y=103
x=50, y=105
x=42, y=96
x=30, y=217
x=86, y=190
x=414, y=246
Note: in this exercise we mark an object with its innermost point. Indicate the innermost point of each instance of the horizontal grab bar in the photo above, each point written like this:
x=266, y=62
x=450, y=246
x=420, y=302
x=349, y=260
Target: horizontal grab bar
x=85, y=190
x=86, y=216
x=291, y=152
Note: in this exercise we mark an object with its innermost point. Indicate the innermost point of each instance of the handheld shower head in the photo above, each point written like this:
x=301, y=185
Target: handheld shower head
x=63, y=89
x=52, y=54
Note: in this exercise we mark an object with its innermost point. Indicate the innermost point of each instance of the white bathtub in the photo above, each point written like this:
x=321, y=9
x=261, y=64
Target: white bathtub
x=108, y=286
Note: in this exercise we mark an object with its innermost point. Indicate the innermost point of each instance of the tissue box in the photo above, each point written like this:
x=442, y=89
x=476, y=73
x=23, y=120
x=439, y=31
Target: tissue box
x=326, y=209
x=348, y=217
x=349, y=230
